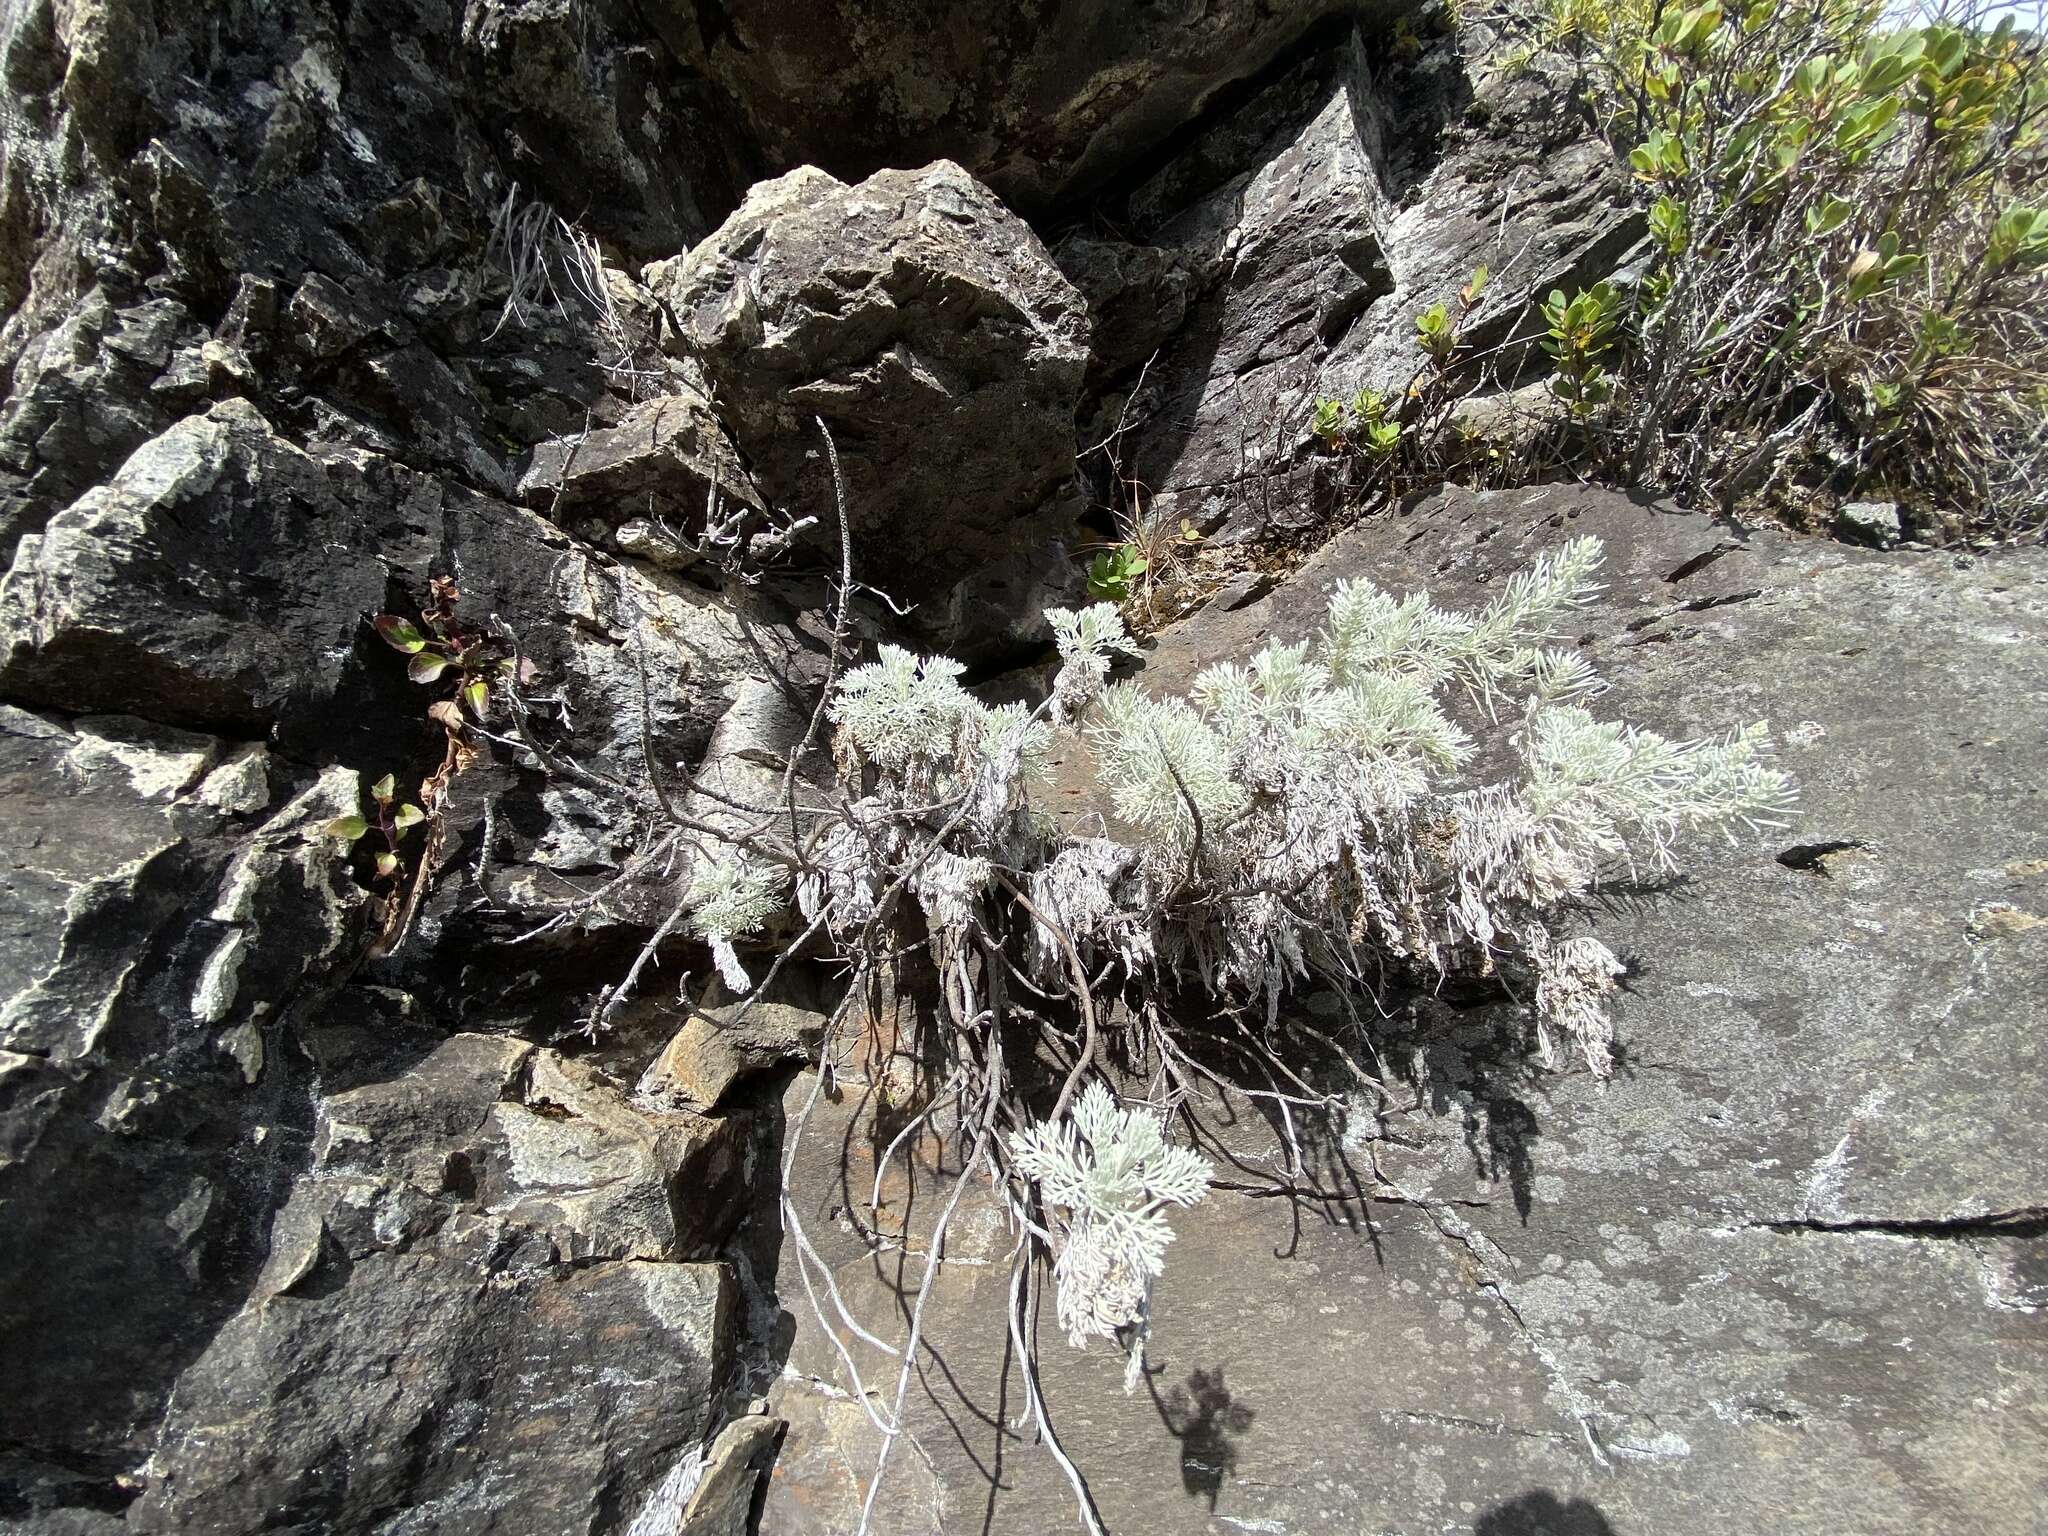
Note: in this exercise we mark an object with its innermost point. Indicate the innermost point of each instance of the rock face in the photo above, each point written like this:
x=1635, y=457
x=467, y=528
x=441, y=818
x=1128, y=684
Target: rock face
x=1783, y=1271
x=1284, y=253
x=496, y=1221
x=323, y=1209
x=320, y=1215
x=927, y=327
x=1044, y=102
x=170, y=910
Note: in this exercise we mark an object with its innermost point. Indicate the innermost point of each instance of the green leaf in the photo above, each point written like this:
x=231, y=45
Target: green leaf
x=382, y=790
x=398, y=633
x=427, y=666
x=346, y=829
x=476, y=693
x=409, y=815
x=387, y=865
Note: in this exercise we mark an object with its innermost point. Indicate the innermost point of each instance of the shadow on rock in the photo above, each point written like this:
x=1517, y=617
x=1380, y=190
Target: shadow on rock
x=1204, y=1418
x=1540, y=1512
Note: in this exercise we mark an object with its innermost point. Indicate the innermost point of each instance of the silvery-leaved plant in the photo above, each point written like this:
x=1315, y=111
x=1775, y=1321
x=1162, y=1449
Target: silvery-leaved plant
x=1295, y=819
x=730, y=896
x=1115, y=1173
x=1085, y=641
x=1300, y=819
x=1309, y=799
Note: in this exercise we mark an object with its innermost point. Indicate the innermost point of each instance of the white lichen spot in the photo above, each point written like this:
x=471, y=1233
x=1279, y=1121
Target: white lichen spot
x=219, y=979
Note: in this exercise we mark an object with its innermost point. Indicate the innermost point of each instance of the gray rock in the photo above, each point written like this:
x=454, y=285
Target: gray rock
x=1520, y=183
x=83, y=399
x=1316, y=219
x=1138, y=295
x=739, y=1458
x=662, y=460
x=614, y=1362
x=927, y=326
x=1780, y=1272
x=99, y=609
x=1244, y=588
x=607, y=1178
x=1280, y=209
x=716, y=1049
x=500, y=1219
x=223, y=579
x=258, y=386
x=612, y=129
x=312, y=1230
x=1871, y=522
x=167, y=915
x=545, y=1143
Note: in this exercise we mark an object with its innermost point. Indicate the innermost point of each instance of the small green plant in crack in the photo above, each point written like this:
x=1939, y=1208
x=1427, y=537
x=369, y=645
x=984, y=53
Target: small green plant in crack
x=1579, y=332
x=1114, y=574
x=438, y=645
x=387, y=817
x=435, y=647
x=1396, y=436
x=1362, y=422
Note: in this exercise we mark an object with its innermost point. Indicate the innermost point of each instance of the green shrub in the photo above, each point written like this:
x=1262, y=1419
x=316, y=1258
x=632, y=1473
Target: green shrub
x=1848, y=282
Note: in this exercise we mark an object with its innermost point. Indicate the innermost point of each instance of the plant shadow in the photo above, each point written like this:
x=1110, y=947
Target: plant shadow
x=1206, y=1419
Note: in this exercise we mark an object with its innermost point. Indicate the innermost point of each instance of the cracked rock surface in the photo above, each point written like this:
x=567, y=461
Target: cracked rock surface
x=1785, y=1271
x=319, y=1211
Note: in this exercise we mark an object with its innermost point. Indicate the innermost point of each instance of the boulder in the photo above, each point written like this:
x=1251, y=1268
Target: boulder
x=657, y=470
x=158, y=592
x=927, y=327
x=1871, y=522
x=1781, y=1271
x=719, y=1046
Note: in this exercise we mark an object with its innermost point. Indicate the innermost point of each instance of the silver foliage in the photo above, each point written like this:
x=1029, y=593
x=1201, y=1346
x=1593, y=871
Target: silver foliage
x=1298, y=819
x=1115, y=1174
